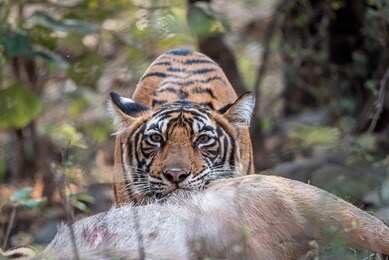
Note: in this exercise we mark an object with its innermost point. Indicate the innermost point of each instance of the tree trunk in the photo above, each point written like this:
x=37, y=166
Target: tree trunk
x=212, y=44
x=40, y=148
x=17, y=158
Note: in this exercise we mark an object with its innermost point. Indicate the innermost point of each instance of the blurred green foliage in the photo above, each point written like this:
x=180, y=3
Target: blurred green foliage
x=18, y=106
x=71, y=36
x=315, y=136
x=80, y=200
x=23, y=198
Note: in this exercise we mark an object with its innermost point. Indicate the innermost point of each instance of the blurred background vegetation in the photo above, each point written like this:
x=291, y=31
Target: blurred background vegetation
x=319, y=68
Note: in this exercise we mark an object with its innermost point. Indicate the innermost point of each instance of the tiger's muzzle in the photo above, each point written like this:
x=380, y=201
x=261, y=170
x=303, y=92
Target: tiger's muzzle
x=176, y=175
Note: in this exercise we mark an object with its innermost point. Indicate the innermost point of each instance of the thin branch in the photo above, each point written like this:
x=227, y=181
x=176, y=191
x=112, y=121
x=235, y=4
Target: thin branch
x=9, y=228
x=66, y=204
x=213, y=44
x=380, y=102
x=154, y=8
x=141, y=248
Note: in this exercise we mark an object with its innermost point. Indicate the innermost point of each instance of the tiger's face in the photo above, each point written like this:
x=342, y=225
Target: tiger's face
x=182, y=145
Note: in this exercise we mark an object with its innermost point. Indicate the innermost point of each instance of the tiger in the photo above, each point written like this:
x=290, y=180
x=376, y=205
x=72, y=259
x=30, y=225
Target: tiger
x=183, y=128
x=247, y=217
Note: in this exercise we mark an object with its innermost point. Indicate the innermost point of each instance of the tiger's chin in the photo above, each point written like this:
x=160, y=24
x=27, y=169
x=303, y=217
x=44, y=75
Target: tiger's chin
x=182, y=190
x=144, y=199
x=181, y=193
x=173, y=195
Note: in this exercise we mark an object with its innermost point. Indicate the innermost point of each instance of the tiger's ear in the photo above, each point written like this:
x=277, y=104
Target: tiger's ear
x=239, y=113
x=124, y=110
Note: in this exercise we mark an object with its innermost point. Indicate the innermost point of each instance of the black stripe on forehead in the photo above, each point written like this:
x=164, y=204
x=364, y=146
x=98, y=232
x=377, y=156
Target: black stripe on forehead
x=181, y=118
x=199, y=113
x=207, y=104
x=158, y=102
x=161, y=75
x=167, y=89
x=184, y=82
x=176, y=123
x=182, y=94
x=162, y=63
x=191, y=56
x=180, y=52
x=192, y=72
x=201, y=60
x=204, y=90
x=178, y=115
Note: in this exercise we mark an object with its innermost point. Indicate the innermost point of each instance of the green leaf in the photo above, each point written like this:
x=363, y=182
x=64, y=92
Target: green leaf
x=21, y=194
x=99, y=130
x=347, y=104
x=77, y=105
x=15, y=43
x=80, y=26
x=33, y=203
x=43, y=19
x=371, y=85
x=85, y=198
x=80, y=205
x=79, y=201
x=67, y=3
x=75, y=48
x=315, y=135
x=202, y=19
x=18, y=106
x=87, y=71
x=67, y=136
x=127, y=40
x=42, y=36
x=267, y=124
x=46, y=20
x=51, y=57
x=314, y=244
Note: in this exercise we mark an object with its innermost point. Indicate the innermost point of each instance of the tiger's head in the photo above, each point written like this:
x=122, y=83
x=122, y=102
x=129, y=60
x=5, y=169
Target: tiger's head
x=181, y=145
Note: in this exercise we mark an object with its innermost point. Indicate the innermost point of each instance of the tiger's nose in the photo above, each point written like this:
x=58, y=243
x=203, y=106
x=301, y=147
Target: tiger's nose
x=176, y=175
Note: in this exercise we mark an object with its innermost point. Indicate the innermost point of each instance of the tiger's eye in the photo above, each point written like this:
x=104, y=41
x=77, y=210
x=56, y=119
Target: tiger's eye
x=203, y=139
x=156, y=138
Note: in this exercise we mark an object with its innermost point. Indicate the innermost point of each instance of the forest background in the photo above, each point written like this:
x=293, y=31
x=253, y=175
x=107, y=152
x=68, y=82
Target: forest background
x=319, y=69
